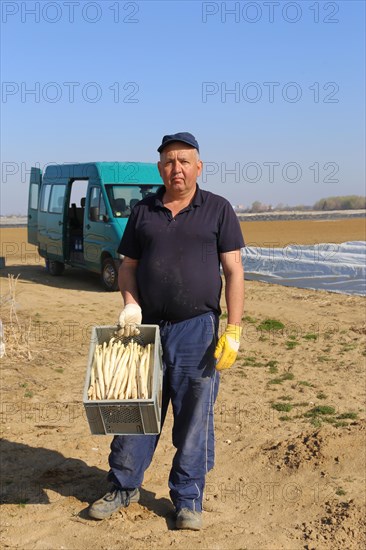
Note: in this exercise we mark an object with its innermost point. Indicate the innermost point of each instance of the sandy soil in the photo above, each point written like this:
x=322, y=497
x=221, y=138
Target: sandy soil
x=279, y=233
x=286, y=475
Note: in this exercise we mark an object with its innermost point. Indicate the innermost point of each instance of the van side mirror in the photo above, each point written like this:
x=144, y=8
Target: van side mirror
x=105, y=218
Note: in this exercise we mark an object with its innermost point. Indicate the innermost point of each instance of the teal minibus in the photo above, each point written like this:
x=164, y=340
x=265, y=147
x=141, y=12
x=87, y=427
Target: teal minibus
x=86, y=233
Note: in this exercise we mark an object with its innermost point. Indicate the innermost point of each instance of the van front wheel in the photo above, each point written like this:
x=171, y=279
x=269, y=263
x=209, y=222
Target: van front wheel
x=109, y=275
x=54, y=268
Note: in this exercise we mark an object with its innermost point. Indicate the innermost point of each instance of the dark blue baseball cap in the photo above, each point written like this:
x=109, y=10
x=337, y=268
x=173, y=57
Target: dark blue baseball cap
x=184, y=137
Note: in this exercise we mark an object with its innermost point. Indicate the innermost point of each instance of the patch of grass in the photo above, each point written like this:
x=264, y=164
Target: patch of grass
x=251, y=362
x=310, y=336
x=349, y=415
x=271, y=325
x=262, y=338
x=320, y=414
x=305, y=383
x=291, y=344
x=340, y=424
x=323, y=359
x=340, y=492
x=271, y=363
x=282, y=378
x=316, y=422
x=275, y=381
x=282, y=407
x=327, y=349
x=321, y=395
x=249, y=319
x=28, y=393
x=285, y=418
x=321, y=410
x=348, y=347
x=223, y=315
x=286, y=398
x=329, y=419
x=60, y=370
x=23, y=502
x=288, y=376
x=273, y=369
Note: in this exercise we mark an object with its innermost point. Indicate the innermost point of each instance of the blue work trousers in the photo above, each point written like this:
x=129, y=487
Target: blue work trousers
x=190, y=382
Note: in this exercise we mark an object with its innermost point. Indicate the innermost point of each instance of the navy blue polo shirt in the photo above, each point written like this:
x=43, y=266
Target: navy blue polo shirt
x=178, y=273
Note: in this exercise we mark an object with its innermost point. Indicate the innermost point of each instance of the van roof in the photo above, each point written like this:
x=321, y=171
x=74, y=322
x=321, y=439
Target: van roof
x=130, y=172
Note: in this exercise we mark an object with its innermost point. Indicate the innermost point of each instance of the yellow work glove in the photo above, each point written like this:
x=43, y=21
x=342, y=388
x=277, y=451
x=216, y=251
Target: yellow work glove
x=227, y=347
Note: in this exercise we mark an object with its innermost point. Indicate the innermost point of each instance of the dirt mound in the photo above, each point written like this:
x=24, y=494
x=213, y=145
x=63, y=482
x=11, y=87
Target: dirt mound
x=342, y=525
x=294, y=453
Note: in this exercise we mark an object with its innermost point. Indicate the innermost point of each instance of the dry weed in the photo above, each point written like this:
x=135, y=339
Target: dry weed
x=16, y=335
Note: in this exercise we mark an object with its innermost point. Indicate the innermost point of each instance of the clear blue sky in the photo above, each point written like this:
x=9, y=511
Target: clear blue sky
x=173, y=64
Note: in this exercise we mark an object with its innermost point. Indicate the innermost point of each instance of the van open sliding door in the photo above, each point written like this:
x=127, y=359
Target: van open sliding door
x=34, y=188
x=51, y=220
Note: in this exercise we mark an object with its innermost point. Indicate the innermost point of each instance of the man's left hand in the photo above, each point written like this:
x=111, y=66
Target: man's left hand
x=227, y=347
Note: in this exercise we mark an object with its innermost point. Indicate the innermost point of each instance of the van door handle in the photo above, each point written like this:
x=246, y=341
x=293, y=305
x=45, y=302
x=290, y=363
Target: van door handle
x=87, y=226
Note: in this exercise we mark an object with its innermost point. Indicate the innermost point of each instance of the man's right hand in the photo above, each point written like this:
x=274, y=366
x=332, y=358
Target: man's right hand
x=129, y=317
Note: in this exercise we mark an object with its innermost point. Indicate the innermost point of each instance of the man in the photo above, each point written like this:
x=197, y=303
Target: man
x=173, y=245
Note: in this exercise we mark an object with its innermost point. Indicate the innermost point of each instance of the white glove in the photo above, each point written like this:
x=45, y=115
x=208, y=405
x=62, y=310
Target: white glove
x=129, y=317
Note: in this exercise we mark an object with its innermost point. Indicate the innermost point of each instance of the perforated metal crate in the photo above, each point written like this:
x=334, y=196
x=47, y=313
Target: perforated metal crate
x=128, y=416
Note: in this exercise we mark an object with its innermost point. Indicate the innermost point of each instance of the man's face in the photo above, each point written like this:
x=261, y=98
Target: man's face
x=179, y=168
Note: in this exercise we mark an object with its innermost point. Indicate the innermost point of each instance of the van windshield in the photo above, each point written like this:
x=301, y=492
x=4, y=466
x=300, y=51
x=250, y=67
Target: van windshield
x=123, y=198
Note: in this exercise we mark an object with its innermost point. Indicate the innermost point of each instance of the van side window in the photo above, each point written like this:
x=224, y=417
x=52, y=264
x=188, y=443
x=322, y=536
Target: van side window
x=57, y=199
x=45, y=197
x=33, y=203
x=97, y=208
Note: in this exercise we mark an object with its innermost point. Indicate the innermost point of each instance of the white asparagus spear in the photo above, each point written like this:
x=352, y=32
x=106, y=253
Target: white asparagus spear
x=92, y=372
x=122, y=374
x=113, y=356
x=151, y=368
x=106, y=362
x=116, y=350
x=100, y=374
x=117, y=371
x=97, y=389
x=147, y=370
x=123, y=379
x=140, y=377
x=118, y=365
x=140, y=373
x=131, y=372
x=127, y=385
x=134, y=377
x=143, y=378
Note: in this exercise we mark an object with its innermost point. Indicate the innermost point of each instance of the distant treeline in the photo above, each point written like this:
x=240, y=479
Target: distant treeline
x=348, y=202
